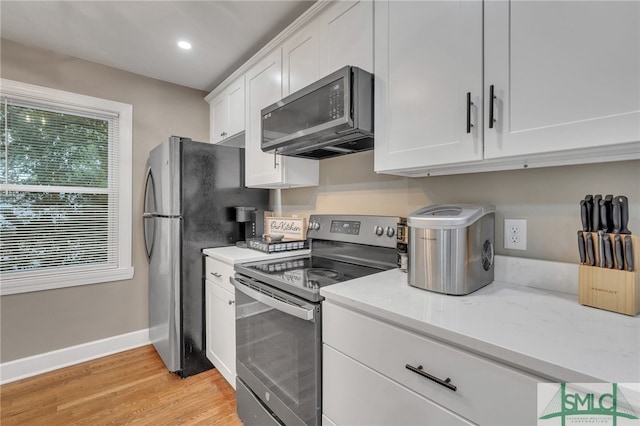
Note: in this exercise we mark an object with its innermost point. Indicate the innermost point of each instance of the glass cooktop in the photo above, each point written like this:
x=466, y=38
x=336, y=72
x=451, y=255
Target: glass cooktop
x=304, y=276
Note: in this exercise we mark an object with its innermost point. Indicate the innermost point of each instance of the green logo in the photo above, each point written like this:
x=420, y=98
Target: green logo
x=589, y=403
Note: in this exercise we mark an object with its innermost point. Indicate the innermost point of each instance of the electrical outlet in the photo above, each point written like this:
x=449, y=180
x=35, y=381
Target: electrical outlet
x=515, y=234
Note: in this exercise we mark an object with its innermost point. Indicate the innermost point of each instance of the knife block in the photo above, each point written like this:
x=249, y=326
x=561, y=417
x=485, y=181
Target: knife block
x=610, y=289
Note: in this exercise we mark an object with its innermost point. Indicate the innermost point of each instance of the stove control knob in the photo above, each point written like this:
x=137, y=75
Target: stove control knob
x=390, y=231
x=314, y=225
x=378, y=230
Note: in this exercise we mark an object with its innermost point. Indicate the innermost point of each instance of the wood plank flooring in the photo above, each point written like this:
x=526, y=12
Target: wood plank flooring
x=131, y=387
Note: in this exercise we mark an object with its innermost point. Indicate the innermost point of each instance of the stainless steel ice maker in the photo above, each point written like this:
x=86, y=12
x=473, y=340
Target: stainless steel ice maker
x=451, y=248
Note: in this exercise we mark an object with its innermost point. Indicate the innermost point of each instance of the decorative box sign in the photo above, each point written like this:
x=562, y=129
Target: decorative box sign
x=292, y=228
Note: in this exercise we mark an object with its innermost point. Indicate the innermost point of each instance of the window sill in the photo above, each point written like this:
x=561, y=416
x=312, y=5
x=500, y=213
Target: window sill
x=63, y=280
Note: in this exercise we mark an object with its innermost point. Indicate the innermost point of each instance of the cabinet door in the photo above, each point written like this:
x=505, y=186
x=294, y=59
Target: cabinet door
x=565, y=75
x=428, y=57
x=235, y=101
x=347, y=34
x=218, y=109
x=301, y=59
x=264, y=87
x=267, y=170
x=353, y=394
x=221, y=330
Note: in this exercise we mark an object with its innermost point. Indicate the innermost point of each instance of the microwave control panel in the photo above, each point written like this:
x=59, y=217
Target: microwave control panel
x=336, y=100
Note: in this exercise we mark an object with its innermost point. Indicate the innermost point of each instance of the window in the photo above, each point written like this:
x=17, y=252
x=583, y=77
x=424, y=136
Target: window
x=65, y=189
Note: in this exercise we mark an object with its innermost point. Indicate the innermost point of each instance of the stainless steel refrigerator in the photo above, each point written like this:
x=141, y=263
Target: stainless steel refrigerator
x=191, y=190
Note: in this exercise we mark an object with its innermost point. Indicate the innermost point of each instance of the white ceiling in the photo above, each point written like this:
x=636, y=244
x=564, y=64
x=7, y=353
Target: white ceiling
x=142, y=36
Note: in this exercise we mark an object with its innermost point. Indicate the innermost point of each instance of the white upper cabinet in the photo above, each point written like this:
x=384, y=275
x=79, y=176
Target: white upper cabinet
x=428, y=61
x=218, y=117
x=346, y=30
x=566, y=75
x=563, y=74
x=301, y=59
x=341, y=35
x=227, y=112
x=329, y=36
x=268, y=170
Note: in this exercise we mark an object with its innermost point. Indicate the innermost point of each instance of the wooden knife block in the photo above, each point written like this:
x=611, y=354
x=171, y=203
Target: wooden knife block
x=610, y=289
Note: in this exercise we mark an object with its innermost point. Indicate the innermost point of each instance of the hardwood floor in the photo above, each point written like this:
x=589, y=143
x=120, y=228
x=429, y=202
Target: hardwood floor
x=131, y=387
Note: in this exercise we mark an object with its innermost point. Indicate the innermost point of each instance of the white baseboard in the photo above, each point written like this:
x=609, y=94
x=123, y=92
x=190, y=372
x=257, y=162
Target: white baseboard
x=49, y=361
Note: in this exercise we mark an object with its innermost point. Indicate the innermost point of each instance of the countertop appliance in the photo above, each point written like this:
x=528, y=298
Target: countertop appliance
x=191, y=191
x=279, y=315
x=331, y=117
x=451, y=247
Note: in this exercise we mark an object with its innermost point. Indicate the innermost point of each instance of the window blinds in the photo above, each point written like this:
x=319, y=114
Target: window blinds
x=59, y=181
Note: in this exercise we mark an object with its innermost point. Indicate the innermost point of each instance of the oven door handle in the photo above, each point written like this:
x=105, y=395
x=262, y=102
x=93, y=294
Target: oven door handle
x=305, y=312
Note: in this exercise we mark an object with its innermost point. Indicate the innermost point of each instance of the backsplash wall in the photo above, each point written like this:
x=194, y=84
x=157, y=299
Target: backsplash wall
x=548, y=198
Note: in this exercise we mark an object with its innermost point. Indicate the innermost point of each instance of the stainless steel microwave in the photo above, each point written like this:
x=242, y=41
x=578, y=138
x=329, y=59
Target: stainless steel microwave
x=331, y=117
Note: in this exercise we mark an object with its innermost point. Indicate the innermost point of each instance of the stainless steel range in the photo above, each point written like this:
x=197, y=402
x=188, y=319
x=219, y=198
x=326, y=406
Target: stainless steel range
x=279, y=315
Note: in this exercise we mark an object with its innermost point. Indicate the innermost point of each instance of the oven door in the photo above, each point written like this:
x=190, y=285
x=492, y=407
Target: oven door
x=278, y=350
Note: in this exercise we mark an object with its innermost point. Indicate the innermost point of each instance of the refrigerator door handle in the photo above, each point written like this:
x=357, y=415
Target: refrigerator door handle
x=149, y=198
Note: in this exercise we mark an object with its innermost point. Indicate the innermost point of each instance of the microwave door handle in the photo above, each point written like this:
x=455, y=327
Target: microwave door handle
x=306, y=312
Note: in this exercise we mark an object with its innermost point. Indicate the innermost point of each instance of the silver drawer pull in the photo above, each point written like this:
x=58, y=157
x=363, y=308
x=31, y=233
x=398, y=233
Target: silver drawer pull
x=231, y=302
x=215, y=274
x=446, y=382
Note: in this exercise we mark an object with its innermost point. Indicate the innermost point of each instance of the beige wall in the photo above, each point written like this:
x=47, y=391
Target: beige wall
x=38, y=322
x=548, y=197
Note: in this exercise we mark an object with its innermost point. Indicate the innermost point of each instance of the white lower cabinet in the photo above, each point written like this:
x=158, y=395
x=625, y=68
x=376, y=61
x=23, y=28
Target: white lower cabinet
x=220, y=318
x=366, y=363
x=354, y=394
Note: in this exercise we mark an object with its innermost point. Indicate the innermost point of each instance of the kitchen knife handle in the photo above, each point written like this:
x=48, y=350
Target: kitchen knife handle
x=628, y=252
x=469, y=103
x=588, y=200
x=608, y=203
x=492, y=99
x=595, y=217
x=584, y=216
x=590, y=251
x=617, y=244
x=581, y=249
x=623, y=202
x=616, y=216
x=608, y=251
x=604, y=221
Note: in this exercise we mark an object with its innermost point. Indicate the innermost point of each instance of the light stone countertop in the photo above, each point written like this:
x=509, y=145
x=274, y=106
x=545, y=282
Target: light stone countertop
x=232, y=254
x=544, y=332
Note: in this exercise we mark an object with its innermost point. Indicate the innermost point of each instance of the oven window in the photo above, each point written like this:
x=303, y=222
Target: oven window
x=282, y=352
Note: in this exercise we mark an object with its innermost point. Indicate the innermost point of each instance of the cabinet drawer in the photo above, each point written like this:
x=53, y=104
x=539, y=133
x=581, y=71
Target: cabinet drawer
x=354, y=394
x=482, y=385
x=219, y=272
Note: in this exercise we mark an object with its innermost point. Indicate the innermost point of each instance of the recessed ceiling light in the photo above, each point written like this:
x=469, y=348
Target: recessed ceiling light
x=184, y=44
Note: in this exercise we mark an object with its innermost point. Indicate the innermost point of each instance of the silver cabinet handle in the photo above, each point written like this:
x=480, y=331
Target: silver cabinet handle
x=215, y=274
x=231, y=302
x=446, y=382
x=469, y=104
x=492, y=101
